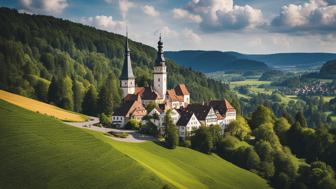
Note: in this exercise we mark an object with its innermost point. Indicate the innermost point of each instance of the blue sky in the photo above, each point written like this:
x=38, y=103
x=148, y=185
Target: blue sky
x=247, y=26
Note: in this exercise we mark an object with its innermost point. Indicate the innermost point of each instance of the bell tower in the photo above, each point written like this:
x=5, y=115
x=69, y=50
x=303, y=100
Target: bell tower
x=160, y=72
x=127, y=79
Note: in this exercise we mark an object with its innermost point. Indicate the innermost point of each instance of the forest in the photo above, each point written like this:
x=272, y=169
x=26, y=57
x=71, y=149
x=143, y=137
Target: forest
x=77, y=67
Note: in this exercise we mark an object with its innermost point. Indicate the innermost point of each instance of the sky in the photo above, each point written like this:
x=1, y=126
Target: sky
x=246, y=26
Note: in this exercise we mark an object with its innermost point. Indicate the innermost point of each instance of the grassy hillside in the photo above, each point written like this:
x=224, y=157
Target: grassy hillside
x=42, y=152
x=40, y=107
x=187, y=168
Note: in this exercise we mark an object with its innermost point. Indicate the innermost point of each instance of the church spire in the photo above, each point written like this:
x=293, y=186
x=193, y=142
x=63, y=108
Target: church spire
x=160, y=60
x=127, y=71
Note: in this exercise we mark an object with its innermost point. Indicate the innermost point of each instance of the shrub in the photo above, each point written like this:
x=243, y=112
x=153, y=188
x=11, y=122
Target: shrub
x=105, y=120
x=133, y=124
x=119, y=134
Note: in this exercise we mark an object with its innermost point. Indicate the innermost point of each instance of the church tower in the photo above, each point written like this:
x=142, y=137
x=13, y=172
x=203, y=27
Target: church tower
x=160, y=72
x=127, y=79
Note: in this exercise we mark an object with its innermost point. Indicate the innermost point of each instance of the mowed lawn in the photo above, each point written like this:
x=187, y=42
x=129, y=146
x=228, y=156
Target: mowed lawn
x=186, y=168
x=40, y=107
x=38, y=151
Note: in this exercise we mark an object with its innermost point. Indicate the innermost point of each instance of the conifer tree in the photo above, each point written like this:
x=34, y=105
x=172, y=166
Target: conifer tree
x=171, y=137
x=89, y=105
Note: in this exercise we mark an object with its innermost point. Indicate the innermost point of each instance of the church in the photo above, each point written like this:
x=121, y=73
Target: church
x=136, y=98
x=186, y=116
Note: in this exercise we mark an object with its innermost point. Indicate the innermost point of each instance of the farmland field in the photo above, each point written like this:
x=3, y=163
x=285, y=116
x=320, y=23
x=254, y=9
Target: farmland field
x=40, y=107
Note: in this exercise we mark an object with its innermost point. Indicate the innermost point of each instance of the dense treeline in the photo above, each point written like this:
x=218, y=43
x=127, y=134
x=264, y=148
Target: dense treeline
x=269, y=145
x=77, y=67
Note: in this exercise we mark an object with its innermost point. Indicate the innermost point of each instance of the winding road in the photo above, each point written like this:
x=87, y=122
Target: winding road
x=133, y=136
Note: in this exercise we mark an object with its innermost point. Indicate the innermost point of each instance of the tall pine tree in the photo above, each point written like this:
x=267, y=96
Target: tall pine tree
x=89, y=105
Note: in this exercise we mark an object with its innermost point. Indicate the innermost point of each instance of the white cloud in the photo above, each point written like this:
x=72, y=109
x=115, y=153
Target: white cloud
x=150, y=10
x=181, y=13
x=190, y=35
x=44, y=6
x=222, y=14
x=166, y=32
x=313, y=16
x=124, y=6
x=105, y=23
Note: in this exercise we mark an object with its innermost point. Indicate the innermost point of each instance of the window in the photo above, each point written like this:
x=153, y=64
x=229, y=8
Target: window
x=158, y=79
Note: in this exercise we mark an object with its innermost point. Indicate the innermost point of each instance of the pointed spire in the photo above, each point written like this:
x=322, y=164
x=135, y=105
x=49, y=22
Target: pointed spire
x=160, y=60
x=127, y=71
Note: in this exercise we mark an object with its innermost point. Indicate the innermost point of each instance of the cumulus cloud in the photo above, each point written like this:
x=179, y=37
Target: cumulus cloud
x=191, y=35
x=183, y=14
x=313, y=16
x=166, y=31
x=105, y=23
x=44, y=6
x=124, y=6
x=150, y=10
x=221, y=14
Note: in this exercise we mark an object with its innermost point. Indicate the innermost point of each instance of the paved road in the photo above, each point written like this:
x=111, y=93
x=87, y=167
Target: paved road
x=133, y=136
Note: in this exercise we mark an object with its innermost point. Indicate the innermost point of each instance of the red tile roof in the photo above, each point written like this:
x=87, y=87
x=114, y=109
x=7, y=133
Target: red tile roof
x=146, y=93
x=181, y=90
x=222, y=106
x=172, y=95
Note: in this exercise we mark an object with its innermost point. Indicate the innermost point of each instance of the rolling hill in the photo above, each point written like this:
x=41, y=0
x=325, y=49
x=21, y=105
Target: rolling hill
x=41, y=107
x=328, y=70
x=42, y=152
x=210, y=61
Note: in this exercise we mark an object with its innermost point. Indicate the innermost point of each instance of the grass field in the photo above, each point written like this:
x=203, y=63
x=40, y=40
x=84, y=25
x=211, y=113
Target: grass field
x=40, y=107
x=249, y=82
x=42, y=152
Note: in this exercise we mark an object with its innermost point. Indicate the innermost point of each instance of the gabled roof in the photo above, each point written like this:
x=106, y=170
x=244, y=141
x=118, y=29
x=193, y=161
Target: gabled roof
x=173, y=96
x=146, y=93
x=185, y=118
x=201, y=111
x=131, y=106
x=125, y=108
x=181, y=90
x=222, y=106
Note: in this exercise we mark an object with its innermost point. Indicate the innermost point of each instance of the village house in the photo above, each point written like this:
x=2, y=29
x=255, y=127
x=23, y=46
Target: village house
x=204, y=113
x=225, y=112
x=187, y=123
x=131, y=109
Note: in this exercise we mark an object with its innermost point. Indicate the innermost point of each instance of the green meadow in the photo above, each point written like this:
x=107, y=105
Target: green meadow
x=42, y=152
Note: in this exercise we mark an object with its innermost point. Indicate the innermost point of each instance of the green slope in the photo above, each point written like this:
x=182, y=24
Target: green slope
x=187, y=168
x=41, y=152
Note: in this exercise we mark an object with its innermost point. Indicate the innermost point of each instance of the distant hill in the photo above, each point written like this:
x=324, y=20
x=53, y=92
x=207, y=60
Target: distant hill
x=211, y=61
x=293, y=59
x=328, y=70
